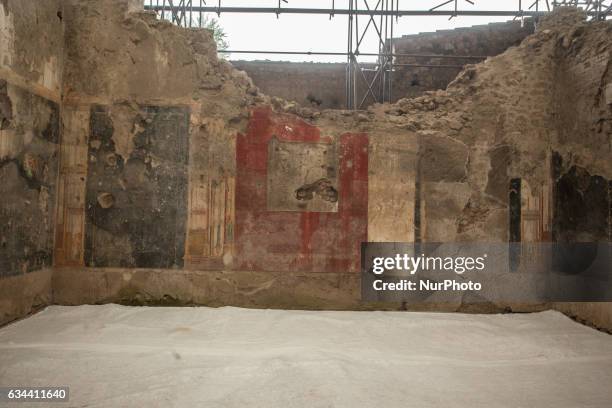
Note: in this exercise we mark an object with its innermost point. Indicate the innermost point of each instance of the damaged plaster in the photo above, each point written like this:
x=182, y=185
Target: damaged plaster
x=29, y=146
x=136, y=196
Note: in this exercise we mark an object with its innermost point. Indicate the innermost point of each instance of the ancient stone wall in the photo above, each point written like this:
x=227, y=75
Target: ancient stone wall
x=184, y=175
x=137, y=113
x=180, y=183
x=478, y=41
x=264, y=174
x=534, y=119
x=317, y=84
x=31, y=46
x=581, y=168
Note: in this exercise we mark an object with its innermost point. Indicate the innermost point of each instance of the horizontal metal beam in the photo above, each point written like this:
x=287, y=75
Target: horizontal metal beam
x=329, y=11
x=371, y=64
x=427, y=66
x=282, y=52
x=478, y=57
x=367, y=64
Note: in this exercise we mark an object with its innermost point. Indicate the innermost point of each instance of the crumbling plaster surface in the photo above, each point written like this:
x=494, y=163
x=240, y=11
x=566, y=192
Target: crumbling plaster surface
x=136, y=192
x=582, y=100
x=113, y=54
x=499, y=120
x=502, y=119
x=31, y=47
x=31, y=42
x=512, y=113
x=29, y=148
x=127, y=62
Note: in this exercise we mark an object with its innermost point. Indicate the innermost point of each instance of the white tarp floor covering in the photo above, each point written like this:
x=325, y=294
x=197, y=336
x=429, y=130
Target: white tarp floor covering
x=119, y=356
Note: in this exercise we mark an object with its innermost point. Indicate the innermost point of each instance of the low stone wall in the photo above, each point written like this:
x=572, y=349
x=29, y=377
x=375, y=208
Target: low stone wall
x=22, y=294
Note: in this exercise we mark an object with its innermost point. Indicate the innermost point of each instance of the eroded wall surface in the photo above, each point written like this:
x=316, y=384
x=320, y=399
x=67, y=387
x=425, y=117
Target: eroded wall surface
x=581, y=168
x=31, y=41
x=29, y=147
x=532, y=146
x=136, y=193
x=149, y=127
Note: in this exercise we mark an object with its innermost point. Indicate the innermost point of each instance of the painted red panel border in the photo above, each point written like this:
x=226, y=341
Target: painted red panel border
x=298, y=241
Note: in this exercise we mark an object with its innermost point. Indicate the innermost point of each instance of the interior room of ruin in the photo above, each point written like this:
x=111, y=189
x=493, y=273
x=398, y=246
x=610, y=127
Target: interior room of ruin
x=179, y=228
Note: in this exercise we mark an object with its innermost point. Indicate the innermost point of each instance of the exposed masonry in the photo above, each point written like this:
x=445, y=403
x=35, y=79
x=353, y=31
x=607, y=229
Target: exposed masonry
x=189, y=165
x=322, y=85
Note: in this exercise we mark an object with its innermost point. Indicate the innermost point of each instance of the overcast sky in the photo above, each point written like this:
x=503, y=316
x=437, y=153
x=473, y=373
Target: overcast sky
x=292, y=32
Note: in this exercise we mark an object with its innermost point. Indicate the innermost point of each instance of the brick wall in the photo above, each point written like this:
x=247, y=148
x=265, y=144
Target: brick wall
x=295, y=81
x=323, y=84
x=477, y=41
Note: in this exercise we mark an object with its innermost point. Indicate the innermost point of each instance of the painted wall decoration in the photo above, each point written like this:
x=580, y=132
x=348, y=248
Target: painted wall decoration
x=136, y=194
x=29, y=146
x=276, y=227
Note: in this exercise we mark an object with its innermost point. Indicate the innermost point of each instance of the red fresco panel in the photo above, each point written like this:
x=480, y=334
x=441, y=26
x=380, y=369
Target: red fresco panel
x=298, y=241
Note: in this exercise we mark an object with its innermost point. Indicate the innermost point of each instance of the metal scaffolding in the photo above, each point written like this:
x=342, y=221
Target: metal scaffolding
x=369, y=17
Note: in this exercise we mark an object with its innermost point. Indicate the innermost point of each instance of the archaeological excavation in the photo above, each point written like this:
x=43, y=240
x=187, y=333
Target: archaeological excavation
x=412, y=219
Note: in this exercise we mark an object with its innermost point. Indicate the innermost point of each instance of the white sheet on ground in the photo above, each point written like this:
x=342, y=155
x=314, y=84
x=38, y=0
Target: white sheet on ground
x=118, y=356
